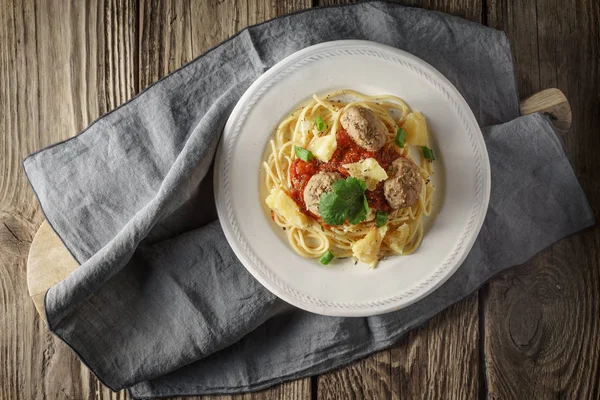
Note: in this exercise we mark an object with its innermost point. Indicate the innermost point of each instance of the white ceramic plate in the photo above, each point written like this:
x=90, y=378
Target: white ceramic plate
x=462, y=180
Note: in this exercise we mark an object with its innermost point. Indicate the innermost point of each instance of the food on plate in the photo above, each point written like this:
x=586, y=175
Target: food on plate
x=404, y=186
x=343, y=180
x=367, y=131
x=317, y=185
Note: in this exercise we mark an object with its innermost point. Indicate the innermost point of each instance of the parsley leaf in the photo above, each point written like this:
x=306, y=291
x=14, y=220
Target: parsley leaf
x=347, y=200
x=321, y=125
x=303, y=154
x=357, y=213
x=428, y=153
x=332, y=209
x=350, y=188
x=400, y=138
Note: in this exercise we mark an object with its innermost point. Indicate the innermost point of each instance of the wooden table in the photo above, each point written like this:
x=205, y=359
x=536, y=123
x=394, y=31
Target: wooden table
x=532, y=332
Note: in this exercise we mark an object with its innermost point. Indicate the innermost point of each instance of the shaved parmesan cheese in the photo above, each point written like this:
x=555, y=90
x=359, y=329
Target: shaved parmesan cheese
x=285, y=206
x=367, y=248
x=367, y=170
x=323, y=147
x=305, y=126
x=396, y=240
x=370, y=215
x=416, y=130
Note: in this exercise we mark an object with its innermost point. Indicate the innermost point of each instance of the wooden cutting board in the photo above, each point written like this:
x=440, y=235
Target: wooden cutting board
x=49, y=261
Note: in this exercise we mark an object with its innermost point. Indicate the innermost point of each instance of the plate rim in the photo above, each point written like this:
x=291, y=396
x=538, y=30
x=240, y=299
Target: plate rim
x=374, y=307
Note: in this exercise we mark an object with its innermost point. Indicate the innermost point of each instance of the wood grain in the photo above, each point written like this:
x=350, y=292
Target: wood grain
x=541, y=320
x=165, y=38
x=172, y=35
x=369, y=378
x=468, y=9
x=554, y=104
x=61, y=65
x=521, y=17
x=441, y=359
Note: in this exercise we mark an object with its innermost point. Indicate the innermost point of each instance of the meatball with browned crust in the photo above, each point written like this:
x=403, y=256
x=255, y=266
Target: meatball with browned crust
x=368, y=131
x=317, y=185
x=403, y=187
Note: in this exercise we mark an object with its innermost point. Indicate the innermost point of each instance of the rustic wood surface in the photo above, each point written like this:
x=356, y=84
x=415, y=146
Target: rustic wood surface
x=533, y=332
x=541, y=321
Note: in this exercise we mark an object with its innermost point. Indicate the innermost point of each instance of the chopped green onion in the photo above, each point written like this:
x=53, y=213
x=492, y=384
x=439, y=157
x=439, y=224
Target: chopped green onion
x=321, y=125
x=400, y=138
x=303, y=154
x=326, y=258
x=381, y=218
x=428, y=153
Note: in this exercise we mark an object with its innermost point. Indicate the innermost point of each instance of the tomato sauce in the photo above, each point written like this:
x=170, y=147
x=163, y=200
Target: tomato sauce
x=347, y=152
x=300, y=174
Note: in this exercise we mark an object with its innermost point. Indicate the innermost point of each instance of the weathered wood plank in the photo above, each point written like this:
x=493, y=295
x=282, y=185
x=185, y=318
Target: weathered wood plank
x=173, y=34
x=294, y=390
x=61, y=65
x=542, y=320
x=439, y=360
x=519, y=19
x=165, y=41
x=468, y=9
x=369, y=378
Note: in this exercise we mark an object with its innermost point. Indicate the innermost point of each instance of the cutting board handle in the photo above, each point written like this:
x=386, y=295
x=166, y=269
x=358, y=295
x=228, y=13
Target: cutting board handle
x=552, y=103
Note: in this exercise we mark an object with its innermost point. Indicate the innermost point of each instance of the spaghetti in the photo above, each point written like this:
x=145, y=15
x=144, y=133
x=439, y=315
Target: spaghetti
x=367, y=241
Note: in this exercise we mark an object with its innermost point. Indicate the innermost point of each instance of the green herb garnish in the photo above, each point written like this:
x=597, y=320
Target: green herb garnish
x=321, y=125
x=303, y=154
x=400, y=138
x=381, y=218
x=428, y=153
x=326, y=258
x=347, y=201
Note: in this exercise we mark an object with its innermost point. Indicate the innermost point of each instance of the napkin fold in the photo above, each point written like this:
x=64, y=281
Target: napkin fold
x=161, y=305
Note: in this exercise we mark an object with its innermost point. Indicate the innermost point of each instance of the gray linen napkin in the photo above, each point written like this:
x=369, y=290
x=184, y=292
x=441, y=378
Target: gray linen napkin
x=160, y=303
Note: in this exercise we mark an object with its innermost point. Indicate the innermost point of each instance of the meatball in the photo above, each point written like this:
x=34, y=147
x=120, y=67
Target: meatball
x=403, y=187
x=368, y=131
x=317, y=185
